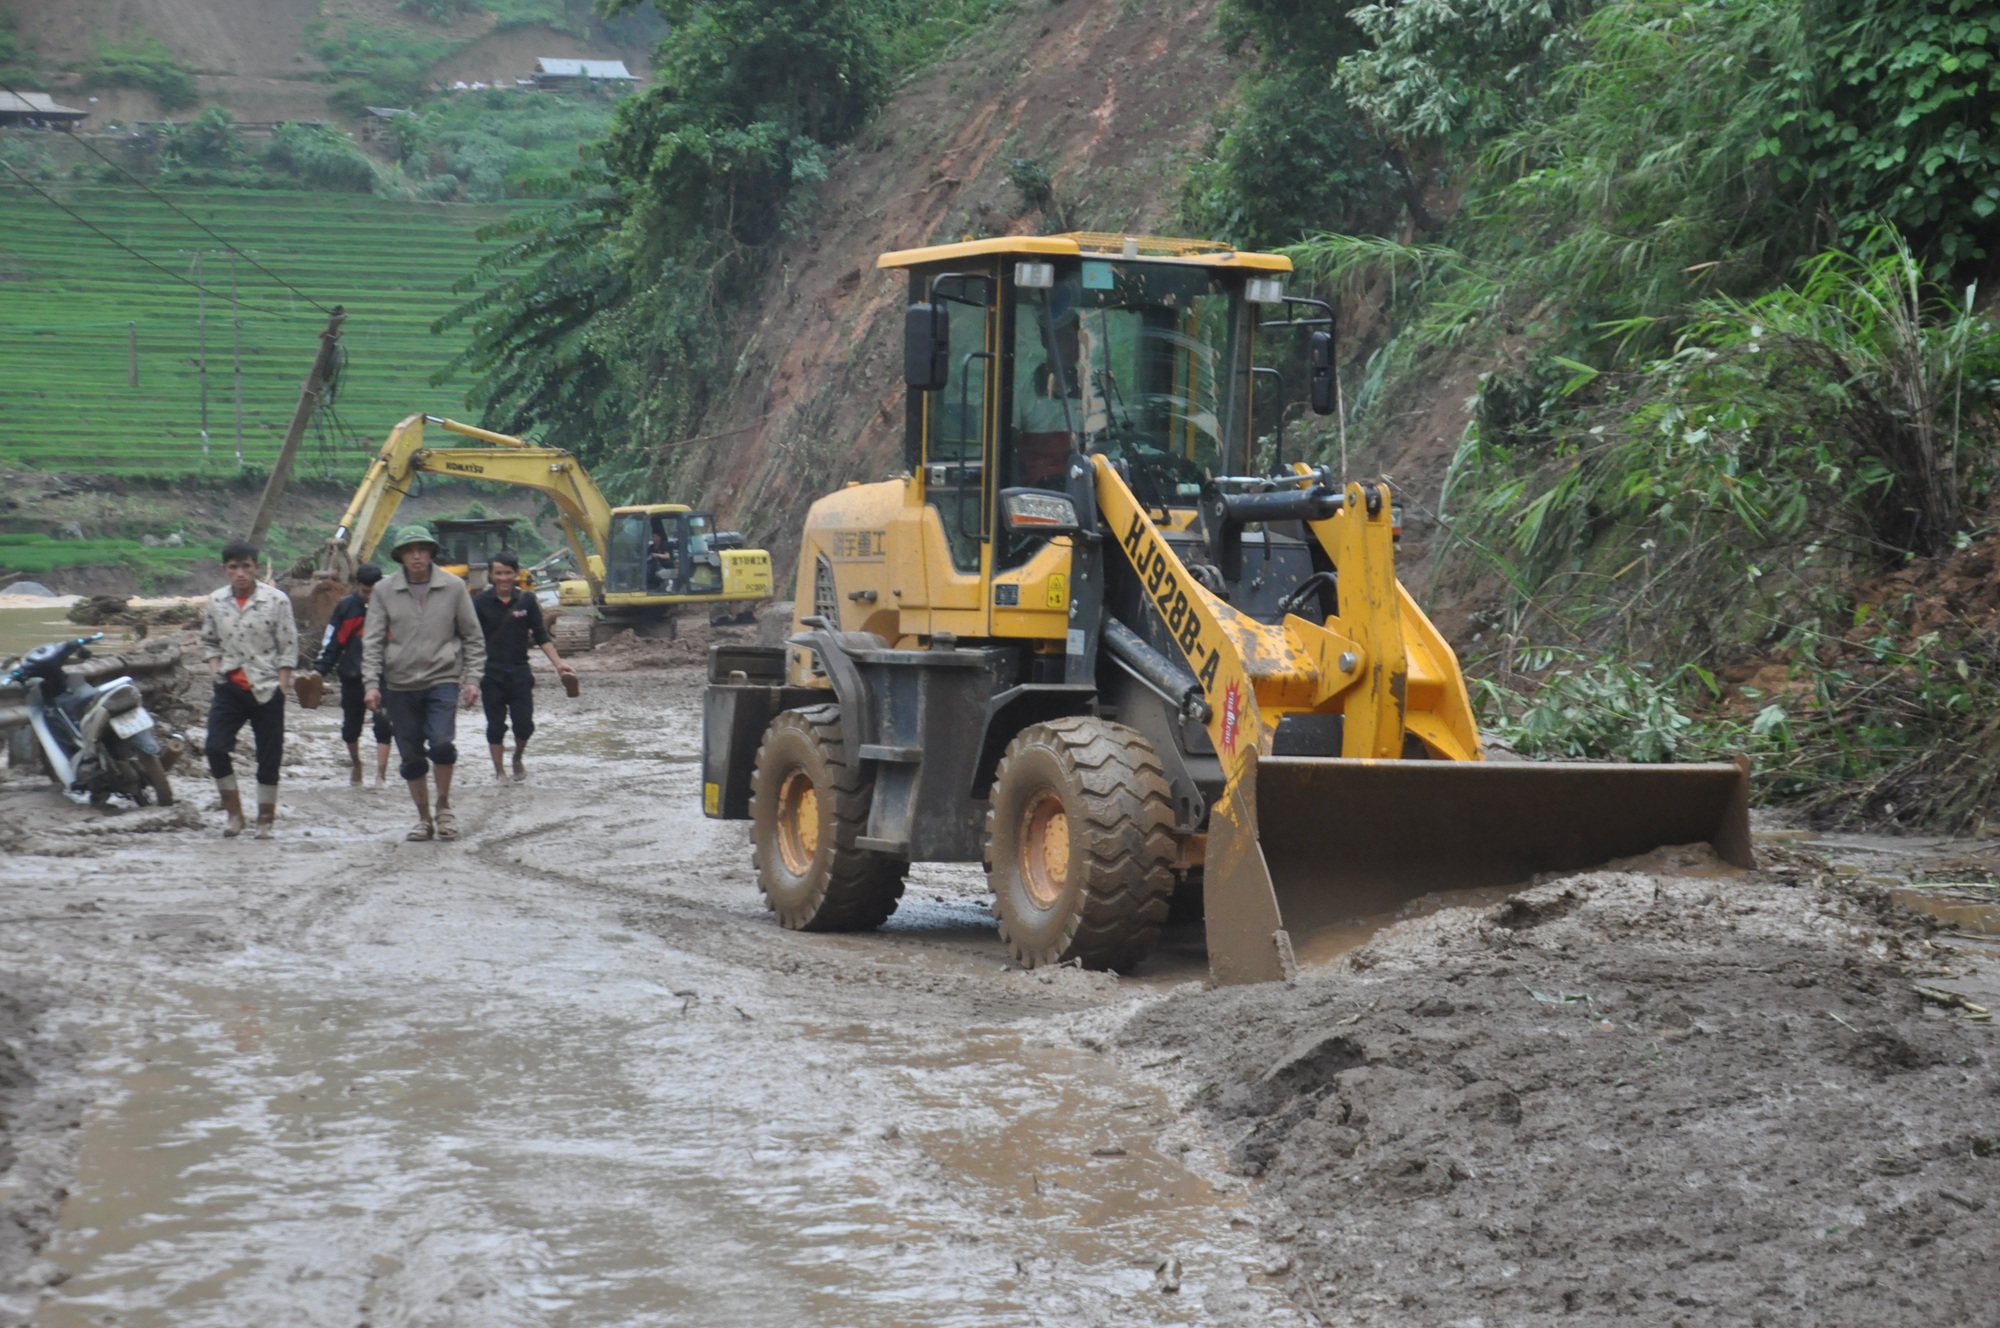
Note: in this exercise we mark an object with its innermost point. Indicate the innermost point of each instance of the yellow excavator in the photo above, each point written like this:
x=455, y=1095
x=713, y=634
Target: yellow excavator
x=1087, y=640
x=638, y=564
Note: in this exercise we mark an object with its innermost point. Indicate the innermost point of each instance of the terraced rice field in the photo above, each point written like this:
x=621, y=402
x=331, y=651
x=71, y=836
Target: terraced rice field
x=68, y=300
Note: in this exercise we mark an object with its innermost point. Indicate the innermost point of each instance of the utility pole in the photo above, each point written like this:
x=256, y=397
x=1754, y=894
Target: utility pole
x=132, y=354
x=236, y=353
x=201, y=321
x=281, y=469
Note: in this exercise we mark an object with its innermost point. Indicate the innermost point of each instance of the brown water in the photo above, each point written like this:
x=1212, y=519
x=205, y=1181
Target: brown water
x=22, y=629
x=1966, y=908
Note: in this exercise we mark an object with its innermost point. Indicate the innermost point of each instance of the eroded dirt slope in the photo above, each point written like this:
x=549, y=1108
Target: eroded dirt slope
x=1108, y=96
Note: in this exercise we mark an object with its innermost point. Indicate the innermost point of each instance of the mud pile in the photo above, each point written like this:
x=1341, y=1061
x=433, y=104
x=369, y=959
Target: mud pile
x=37, y=1124
x=1679, y=1096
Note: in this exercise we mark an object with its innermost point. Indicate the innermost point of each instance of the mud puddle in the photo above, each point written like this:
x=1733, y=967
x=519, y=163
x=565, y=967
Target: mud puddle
x=268, y=1159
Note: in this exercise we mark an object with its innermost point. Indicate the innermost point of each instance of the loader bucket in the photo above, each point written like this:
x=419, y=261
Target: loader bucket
x=1337, y=840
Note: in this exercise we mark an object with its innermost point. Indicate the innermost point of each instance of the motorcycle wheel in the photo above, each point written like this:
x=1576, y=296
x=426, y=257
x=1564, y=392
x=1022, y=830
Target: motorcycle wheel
x=156, y=781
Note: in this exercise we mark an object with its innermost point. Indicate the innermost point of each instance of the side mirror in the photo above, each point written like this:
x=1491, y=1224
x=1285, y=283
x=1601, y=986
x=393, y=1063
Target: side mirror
x=1319, y=372
x=926, y=347
x=1038, y=512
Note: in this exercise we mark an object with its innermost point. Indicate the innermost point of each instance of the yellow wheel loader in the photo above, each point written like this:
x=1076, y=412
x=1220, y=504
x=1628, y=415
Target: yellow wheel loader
x=639, y=564
x=1086, y=641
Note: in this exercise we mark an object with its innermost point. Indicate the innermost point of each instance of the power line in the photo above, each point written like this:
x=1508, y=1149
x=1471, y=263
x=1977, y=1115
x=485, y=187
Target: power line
x=109, y=238
x=92, y=149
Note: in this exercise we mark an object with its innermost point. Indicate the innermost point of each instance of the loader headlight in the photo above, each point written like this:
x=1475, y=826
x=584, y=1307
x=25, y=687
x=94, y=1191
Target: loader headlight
x=1264, y=290
x=1038, y=512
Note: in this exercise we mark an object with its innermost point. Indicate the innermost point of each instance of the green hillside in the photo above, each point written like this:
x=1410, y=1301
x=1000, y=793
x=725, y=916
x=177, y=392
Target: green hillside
x=67, y=297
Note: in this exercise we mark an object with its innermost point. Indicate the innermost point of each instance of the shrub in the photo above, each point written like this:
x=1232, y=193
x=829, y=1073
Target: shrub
x=320, y=155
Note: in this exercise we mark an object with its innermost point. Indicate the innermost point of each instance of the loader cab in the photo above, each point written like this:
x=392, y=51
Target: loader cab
x=663, y=549
x=1021, y=352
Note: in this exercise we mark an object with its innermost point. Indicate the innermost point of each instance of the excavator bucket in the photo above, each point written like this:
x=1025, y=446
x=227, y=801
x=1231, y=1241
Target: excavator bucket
x=1300, y=848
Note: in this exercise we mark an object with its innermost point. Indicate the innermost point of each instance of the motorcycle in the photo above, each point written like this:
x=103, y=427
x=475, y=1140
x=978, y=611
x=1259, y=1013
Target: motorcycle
x=96, y=739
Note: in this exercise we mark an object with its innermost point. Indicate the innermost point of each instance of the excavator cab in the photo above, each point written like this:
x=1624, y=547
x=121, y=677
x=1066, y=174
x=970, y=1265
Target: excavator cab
x=670, y=551
x=1102, y=638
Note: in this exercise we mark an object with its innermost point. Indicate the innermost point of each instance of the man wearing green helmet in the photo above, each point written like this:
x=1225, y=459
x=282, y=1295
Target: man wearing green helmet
x=423, y=642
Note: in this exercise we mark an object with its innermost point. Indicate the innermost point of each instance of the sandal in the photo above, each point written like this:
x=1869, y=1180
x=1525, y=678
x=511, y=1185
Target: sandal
x=447, y=825
x=423, y=834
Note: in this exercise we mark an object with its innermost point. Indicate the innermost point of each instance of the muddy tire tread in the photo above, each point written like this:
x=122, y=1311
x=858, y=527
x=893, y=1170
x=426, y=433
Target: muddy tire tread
x=862, y=888
x=1127, y=839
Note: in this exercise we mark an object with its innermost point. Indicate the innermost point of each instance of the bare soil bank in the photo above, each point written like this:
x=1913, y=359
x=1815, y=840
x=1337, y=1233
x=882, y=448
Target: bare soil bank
x=1665, y=1097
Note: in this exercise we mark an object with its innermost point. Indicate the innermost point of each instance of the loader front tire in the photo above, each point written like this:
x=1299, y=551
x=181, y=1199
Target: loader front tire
x=1079, y=845
x=807, y=807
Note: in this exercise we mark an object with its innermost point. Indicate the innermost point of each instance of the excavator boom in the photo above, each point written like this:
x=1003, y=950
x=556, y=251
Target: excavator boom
x=581, y=508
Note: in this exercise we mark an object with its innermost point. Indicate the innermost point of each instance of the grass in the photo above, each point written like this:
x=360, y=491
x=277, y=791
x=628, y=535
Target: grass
x=67, y=297
x=39, y=553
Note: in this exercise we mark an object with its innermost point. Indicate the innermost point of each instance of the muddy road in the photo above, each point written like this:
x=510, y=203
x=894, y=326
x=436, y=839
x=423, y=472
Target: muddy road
x=567, y=1071
x=564, y=1071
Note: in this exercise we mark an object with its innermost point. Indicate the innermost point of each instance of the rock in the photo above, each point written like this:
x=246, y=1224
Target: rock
x=774, y=622
x=173, y=541
x=1167, y=1277
x=70, y=530
x=150, y=541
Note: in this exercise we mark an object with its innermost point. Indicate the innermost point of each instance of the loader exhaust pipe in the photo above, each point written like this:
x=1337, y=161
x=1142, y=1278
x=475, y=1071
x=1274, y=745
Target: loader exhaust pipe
x=1299, y=845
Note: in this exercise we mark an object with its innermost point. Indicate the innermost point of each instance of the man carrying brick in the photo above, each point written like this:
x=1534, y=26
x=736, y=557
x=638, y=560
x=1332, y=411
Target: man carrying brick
x=512, y=619
x=421, y=655
x=251, y=643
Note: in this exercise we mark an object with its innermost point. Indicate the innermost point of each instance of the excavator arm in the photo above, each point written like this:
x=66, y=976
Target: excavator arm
x=581, y=509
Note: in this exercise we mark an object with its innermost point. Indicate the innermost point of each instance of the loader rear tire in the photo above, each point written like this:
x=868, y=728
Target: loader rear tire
x=1079, y=845
x=807, y=807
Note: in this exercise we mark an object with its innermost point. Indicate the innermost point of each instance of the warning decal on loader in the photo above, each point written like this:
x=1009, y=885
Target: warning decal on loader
x=1232, y=709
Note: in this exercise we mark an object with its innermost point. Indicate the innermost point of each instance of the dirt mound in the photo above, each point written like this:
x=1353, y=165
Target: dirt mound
x=627, y=652
x=1659, y=1099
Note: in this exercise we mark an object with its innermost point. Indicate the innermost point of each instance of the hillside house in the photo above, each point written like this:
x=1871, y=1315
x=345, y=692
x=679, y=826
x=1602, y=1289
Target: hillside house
x=38, y=110
x=557, y=74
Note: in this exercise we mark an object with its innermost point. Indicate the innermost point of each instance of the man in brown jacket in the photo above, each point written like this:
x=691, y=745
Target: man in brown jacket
x=423, y=643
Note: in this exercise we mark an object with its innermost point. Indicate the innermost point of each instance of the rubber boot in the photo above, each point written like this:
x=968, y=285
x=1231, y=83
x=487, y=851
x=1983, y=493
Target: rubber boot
x=354, y=763
x=232, y=806
x=267, y=809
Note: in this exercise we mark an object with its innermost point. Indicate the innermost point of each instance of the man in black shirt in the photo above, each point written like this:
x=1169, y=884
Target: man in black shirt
x=340, y=650
x=512, y=621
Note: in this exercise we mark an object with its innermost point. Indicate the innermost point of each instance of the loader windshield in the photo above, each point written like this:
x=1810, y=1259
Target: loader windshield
x=1135, y=357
